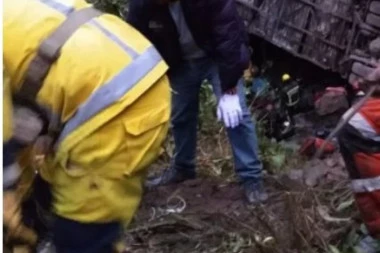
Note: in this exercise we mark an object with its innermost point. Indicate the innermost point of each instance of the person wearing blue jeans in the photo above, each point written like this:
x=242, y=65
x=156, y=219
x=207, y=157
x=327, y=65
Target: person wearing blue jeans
x=203, y=39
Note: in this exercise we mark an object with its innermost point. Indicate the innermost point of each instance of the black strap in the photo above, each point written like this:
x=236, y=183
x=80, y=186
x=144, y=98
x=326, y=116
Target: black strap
x=49, y=51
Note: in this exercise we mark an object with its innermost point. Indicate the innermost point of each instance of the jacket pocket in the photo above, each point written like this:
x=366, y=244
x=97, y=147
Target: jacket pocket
x=144, y=123
x=144, y=138
x=125, y=145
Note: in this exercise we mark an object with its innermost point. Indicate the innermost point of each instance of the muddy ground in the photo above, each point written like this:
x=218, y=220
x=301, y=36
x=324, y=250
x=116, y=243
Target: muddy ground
x=310, y=205
x=210, y=215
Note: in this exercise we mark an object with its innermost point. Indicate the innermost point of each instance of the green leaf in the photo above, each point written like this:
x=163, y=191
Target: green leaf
x=278, y=160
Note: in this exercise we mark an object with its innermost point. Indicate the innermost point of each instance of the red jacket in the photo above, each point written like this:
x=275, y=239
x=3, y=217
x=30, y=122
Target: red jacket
x=360, y=147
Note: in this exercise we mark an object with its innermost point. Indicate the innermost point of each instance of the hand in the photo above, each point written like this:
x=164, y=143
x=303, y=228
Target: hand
x=229, y=110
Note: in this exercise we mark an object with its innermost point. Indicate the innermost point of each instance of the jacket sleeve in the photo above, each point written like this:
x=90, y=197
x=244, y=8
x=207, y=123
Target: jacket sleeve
x=7, y=110
x=230, y=42
x=137, y=16
x=21, y=127
x=11, y=170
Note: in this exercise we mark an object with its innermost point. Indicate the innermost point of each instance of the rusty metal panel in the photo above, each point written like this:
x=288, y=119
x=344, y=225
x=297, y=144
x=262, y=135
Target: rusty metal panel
x=331, y=28
x=319, y=31
x=288, y=30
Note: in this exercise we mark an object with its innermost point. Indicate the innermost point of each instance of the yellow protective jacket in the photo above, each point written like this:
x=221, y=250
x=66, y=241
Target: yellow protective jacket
x=7, y=109
x=111, y=94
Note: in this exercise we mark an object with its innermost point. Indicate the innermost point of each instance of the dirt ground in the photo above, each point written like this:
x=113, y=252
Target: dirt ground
x=210, y=215
x=310, y=206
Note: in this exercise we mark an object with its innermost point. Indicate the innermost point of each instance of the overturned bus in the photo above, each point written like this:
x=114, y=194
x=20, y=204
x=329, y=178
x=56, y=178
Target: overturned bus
x=341, y=36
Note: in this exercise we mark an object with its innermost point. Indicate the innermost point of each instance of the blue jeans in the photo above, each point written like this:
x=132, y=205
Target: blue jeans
x=186, y=82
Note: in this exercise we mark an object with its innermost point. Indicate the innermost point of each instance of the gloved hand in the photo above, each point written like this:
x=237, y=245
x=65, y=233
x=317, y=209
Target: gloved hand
x=229, y=110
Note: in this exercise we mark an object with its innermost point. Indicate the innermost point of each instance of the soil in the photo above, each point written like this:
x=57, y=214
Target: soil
x=210, y=215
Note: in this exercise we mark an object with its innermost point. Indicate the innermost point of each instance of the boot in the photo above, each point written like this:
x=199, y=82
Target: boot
x=169, y=176
x=254, y=192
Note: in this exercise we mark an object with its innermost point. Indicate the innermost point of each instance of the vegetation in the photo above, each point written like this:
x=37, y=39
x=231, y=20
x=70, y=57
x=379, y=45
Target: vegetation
x=116, y=7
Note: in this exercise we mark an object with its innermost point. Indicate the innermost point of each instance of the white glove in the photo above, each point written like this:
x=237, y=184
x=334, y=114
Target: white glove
x=229, y=110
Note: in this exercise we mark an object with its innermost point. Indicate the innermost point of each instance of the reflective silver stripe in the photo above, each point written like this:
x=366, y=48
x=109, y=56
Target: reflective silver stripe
x=362, y=125
x=366, y=185
x=113, y=90
x=58, y=6
x=114, y=38
x=65, y=9
x=10, y=174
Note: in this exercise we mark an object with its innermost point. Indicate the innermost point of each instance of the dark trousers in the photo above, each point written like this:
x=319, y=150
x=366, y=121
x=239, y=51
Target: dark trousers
x=68, y=236
x=74, y=237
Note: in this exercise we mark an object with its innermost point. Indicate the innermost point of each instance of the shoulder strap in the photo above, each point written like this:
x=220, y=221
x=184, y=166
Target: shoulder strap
x=49, y=51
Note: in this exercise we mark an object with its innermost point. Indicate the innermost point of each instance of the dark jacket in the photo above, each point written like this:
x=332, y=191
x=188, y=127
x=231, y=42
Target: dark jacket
x=214, y=24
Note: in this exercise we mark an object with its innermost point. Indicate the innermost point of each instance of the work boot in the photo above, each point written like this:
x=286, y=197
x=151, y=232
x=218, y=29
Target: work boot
x=169, y=176
x=254, y=192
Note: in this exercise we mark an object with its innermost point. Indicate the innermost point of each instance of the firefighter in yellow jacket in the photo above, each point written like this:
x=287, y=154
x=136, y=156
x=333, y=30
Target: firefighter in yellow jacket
x=110, y=94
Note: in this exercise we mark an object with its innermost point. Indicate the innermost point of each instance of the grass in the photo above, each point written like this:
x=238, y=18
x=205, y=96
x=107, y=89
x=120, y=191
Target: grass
x=214, y=148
